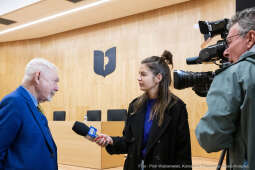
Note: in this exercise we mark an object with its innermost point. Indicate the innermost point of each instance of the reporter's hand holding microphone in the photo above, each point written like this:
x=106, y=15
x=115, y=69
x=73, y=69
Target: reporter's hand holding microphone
x=103, y=140
x=90, y=134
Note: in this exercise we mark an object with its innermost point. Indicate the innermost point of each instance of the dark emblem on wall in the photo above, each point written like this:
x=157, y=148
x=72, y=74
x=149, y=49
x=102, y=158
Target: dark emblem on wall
x=105, y=64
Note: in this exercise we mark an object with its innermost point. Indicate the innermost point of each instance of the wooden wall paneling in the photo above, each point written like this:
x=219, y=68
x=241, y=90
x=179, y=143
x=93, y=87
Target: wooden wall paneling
x=74, y=149
x=112, y=129
x=135, y=38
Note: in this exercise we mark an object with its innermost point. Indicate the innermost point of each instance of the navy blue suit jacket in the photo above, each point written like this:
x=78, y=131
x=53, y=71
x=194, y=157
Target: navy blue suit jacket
x=25, y=140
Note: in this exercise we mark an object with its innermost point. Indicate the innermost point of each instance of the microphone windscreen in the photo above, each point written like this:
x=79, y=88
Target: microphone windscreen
x=80, y=128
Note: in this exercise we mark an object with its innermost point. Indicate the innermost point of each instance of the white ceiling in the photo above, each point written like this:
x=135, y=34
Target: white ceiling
x=109, y=10
x=8, y=6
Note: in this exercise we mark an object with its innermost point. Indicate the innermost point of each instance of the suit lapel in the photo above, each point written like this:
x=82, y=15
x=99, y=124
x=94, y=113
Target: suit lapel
x=38, y=119
x=137, y=126
x=157, y=131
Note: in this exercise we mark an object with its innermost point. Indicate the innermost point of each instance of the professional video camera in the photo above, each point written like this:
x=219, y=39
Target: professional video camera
x=201, y=81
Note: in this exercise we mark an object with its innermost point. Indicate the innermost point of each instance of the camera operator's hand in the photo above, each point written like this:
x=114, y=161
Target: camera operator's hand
x=201, y=91
x=103, y=140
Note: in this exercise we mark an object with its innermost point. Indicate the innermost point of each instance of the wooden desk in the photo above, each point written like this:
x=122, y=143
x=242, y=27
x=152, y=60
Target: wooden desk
x=76, y=150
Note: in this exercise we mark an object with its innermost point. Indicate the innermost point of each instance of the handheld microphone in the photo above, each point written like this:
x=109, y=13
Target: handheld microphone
x=83, y=130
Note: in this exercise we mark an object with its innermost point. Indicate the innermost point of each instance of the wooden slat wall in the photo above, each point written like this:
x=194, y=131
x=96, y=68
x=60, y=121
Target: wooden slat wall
x=135, y=37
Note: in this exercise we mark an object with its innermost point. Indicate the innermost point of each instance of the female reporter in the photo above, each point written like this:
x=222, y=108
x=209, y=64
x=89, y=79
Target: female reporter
x=156, y=134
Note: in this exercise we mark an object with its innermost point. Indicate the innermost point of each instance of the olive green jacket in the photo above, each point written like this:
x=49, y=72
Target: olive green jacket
x=230, y=119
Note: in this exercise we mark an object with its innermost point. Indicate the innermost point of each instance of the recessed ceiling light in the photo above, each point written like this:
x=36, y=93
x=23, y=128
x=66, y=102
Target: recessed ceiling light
x=5, y=21
x=74, y=1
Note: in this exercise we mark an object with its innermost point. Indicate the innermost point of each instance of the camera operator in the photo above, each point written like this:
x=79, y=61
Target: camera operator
x=230, y=119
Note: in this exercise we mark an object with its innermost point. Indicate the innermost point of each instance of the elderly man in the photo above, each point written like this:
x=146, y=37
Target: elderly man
x=25, y=139
x=230, y=119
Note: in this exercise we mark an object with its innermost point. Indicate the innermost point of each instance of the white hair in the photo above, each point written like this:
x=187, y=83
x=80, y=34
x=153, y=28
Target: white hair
x=37, y=65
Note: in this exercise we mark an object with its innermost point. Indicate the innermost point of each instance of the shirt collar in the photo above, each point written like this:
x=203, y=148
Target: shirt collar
x=31, y=96
x=252, y=49
x=244, y=54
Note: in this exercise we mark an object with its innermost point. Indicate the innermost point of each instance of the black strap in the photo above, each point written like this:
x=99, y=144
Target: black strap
x=227, y=161
x=223, y=153
x=221, y=159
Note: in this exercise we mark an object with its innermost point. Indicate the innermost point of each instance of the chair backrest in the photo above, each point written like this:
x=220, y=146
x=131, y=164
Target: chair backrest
x=116, y=114
x=59, y=115
x=94, y=115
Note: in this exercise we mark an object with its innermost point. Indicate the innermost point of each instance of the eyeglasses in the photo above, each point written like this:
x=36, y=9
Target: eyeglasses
x=228, y=39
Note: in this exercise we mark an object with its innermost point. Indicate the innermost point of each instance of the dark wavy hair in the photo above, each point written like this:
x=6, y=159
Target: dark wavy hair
x=158, y=65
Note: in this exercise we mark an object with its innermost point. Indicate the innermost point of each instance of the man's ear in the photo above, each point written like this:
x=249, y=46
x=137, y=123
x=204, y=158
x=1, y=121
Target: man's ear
x=251, y=38
x=158, y=77
x=36, y=77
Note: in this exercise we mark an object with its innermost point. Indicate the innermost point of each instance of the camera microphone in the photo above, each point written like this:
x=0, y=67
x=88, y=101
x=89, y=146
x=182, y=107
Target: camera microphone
x=83, y=130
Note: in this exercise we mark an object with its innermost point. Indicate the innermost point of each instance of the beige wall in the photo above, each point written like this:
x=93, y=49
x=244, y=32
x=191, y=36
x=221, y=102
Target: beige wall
x=135, y=37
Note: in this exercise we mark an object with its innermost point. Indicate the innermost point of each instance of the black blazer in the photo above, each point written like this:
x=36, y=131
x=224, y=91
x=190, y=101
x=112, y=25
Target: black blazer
x=168, y=146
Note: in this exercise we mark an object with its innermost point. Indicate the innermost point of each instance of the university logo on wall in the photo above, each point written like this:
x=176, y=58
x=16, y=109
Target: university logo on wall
x=105, y=63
